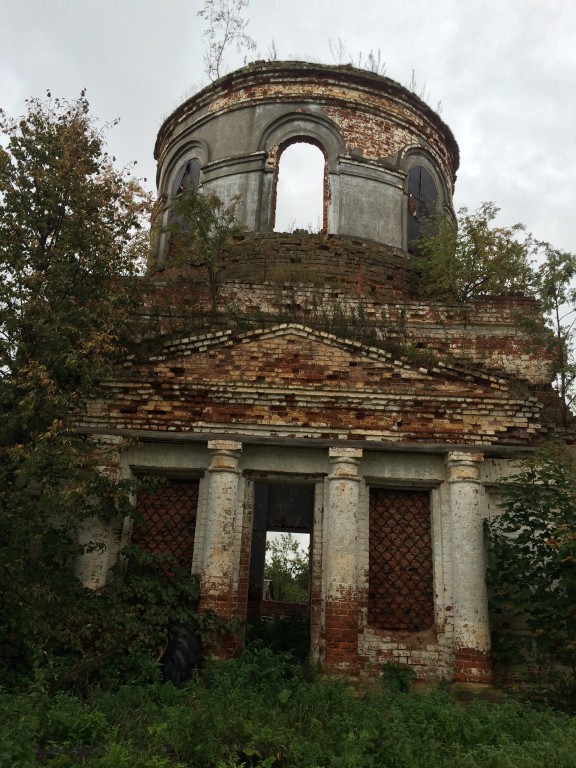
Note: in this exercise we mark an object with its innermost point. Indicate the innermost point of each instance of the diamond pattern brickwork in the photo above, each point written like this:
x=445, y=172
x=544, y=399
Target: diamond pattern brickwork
x=166, y=521
x=400, y=595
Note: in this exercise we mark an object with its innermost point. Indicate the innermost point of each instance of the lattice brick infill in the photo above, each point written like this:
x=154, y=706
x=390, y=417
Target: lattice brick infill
x=400, y=561
x=166, y=521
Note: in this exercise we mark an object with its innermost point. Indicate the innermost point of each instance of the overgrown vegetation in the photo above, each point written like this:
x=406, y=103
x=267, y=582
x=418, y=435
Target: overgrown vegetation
x=557, y=297
x=469, y=258
x=70, y=256
x=282, y=634
x=199, y=226
x=263, y=710
x=287, y=568
x=533, y=572
x=71, y=252
x=225, y=27
x=372, y=61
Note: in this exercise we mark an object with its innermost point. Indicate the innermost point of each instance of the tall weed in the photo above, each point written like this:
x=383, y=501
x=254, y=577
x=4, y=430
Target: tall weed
x=264, y=710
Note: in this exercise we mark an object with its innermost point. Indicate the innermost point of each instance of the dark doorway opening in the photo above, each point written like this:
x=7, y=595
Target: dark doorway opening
x=281, y=553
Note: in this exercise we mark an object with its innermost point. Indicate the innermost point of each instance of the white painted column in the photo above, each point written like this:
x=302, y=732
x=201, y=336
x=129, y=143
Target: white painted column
x=220, y=556
x=470, y=597
x=91, y=567
x=341, y=609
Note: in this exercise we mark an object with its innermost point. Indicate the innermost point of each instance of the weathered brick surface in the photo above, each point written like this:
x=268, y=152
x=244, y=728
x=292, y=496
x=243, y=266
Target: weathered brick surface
x=354, y=99
x=355, y=266
x=292, y=381
x=341, y=633
x=472, y=666
x=427, y=653
x=306, y=277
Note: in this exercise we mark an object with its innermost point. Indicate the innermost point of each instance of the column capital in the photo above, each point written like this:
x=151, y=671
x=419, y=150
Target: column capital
x=464, y=466
x=224, y=445
x=336, y=452
x=344, y=463
x=225, y=455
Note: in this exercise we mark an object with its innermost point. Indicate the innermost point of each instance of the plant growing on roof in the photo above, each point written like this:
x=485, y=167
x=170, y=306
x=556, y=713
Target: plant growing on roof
x=469, y=258
x=226, y=26
x=199, y=227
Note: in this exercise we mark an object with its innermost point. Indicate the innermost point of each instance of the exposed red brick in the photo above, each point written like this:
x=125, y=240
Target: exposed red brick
x=471, y=665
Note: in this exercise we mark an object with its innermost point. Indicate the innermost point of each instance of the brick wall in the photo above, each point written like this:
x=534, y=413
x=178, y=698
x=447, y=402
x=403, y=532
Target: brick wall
x=290, y=381
x=400, y=595
x=310, y=278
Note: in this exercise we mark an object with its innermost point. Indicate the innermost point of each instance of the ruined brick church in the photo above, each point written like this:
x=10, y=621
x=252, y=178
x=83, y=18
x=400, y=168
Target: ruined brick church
x=383, y=437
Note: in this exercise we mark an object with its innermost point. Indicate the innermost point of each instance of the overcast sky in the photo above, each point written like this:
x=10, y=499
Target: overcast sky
x=503, y=70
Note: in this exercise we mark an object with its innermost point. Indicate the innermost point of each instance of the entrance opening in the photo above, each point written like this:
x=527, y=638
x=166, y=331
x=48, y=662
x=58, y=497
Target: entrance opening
x=300, y=186
x=279, y=583
x=286, y=572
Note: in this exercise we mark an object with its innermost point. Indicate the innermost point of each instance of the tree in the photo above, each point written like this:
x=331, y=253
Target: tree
x=533, y=572
x=199, y=227
x=225, y=27
x=557, y=296
x=287, y=568
x=70, y=295
x=469, y=259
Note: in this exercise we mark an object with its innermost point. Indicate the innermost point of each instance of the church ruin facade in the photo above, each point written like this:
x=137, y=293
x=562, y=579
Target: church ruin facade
x=324, y=396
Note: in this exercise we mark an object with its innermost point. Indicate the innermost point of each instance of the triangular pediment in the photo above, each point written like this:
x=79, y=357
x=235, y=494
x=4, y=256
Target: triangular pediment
x=304, y=357
x=292, y=381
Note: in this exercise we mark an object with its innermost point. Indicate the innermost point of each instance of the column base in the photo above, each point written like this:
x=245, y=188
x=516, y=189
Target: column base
x=472, y=666
x=341, y=637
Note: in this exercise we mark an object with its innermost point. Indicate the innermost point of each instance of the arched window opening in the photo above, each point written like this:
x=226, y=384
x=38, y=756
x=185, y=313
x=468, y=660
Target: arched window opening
x=177, y=221
x=300, y=189
x=422, y=198
x=188, y=175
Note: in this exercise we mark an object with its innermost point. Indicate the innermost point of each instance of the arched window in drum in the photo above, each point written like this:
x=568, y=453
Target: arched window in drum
x=300, y=188
x=188, y=175
x=422, y=204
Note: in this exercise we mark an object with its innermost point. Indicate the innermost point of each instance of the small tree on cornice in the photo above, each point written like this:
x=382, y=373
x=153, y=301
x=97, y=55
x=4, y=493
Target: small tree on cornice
x=557, y=294
x=200, y=225
x=226, y=26
x=470, y=259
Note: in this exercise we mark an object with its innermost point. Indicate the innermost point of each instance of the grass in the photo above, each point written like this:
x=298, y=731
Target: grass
x=262, y=709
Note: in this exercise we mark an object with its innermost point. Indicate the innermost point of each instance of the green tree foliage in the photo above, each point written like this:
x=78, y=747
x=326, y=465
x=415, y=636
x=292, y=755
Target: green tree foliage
x=533, y=575
x=226, y=27
x=557, y=296
x=287, y=568
x=469, y=258
x=70, y=245
x=199, y=227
